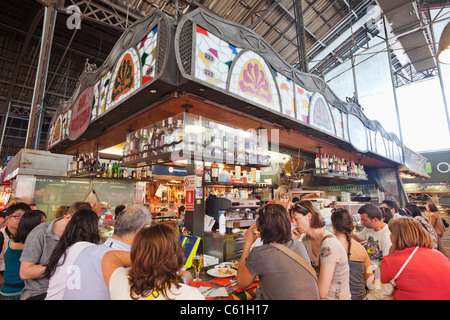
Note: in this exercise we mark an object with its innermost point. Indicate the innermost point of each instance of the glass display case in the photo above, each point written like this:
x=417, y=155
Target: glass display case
x=186, y=136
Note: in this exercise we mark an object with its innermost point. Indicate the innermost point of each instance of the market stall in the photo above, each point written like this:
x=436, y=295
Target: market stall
x=212, y=97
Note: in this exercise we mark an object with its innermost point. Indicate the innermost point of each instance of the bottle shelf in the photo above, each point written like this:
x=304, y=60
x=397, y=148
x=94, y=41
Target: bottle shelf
x=326, y=173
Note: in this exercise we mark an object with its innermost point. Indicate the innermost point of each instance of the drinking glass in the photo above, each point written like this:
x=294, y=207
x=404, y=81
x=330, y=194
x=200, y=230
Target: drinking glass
x=197, y=264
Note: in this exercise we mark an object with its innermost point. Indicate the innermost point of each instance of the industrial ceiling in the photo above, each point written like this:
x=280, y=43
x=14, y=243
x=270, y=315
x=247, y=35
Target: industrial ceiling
x=331, y=31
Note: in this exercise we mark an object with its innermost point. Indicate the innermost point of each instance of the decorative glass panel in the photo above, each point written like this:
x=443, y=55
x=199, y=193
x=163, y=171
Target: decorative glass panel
x=252, y=79
x=357, y=132
x=302, y=99
x=96, y=100
x=213, y=58
x=320, y=115
x=286, y=89
x=147, y=52
x=337, y=116
x=104, y=87
x=381, y=148
x=126, y=78
x=65, y=123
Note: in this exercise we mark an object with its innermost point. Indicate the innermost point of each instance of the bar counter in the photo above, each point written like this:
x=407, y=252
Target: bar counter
x=210, y=286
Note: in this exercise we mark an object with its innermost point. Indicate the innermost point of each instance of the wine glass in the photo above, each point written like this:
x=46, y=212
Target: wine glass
x=197, y=264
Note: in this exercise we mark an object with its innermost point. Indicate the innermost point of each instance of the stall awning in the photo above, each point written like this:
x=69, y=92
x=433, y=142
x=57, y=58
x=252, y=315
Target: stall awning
x=415, y=164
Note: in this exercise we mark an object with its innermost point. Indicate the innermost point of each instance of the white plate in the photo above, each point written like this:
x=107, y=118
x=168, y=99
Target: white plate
x=215, y=273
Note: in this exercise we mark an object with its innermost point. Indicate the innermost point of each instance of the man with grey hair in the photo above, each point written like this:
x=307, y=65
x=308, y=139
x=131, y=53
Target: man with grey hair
x=86, y=278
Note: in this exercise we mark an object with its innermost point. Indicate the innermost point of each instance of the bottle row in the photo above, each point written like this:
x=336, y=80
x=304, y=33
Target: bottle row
x=325, y=164
x=85, y=163
x=214, y=141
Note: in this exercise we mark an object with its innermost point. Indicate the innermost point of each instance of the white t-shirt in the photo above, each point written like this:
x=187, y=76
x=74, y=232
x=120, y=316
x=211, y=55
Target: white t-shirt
x=119, y=289
x=332, y=251
x=57, y=283
x=378, y=243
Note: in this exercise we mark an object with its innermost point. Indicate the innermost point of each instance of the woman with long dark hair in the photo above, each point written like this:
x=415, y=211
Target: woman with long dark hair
x=327, y=255
x=12, y=250
x=358, y=259
x=80, y=233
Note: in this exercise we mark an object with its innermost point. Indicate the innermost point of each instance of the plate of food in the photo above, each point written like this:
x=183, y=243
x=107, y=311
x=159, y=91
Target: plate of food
x=224, y=272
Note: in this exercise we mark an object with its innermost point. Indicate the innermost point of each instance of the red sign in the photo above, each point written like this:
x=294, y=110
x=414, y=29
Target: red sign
x=189, y=204
x=81, y=114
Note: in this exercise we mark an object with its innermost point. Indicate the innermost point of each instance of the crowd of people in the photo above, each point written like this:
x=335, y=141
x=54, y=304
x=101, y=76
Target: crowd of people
x=289, y=249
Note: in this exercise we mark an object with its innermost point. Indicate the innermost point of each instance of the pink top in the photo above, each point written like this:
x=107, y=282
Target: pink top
x=426, y=277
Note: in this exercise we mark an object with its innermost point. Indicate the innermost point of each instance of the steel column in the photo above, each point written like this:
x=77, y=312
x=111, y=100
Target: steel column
x=301, y=43
x=41, y=77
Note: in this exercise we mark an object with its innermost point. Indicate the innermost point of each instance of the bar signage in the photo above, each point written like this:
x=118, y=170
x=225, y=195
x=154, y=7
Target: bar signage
x=81, y=114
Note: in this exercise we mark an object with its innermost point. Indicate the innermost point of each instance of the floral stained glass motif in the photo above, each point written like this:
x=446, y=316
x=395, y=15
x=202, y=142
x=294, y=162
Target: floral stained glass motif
x=213, y=58
x=147, y=52
x=320, y=115
x=302, y=99
x=126, y=78
x=252, y=79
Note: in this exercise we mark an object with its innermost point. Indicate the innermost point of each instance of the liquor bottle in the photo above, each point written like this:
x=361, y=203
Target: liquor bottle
x=115, y=173
x=73, y=165
x=104, y=171
x=214, y=172
x=143, y=141
x=324, y=162
x=143, y=173
x=125, y=173
x=80, y=163
x=155, y=142
x=126, y=148
x=170, y=138
x=179, y=135
x=336, y=164
x=149, y=141
x=317, y=163
x=110, y=170
x=136, y=139
x=162, y=137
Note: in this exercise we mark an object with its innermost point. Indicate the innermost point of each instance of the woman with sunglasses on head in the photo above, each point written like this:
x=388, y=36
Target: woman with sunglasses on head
x=327, y=255
x=280, y=276
x=358, y=260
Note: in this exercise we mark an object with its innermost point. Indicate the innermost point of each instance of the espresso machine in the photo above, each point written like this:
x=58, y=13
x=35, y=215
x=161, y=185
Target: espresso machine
x=240, y=213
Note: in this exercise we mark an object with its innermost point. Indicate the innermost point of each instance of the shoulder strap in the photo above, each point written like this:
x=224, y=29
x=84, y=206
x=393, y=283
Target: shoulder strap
x=153, y=295
x=296, y=257
x=327, y=237
x=406, y=262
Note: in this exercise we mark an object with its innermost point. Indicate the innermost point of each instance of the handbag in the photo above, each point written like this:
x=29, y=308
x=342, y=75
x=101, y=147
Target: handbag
x=384, y=291
x=299, y=259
